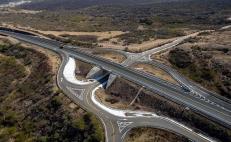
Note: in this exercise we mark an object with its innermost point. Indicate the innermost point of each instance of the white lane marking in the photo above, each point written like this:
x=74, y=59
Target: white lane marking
x=105, y=128
x=125, y=133
x=77, y=92
x=202, y=98
x=120, y=113
x=69, y=73
x=135, y=114
x=123, y=124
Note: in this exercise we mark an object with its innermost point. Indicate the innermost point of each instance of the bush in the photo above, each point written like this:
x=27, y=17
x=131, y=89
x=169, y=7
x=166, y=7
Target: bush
x=180, y=58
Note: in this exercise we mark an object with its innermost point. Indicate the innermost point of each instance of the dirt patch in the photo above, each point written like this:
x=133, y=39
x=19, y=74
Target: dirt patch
x=155, y=71
x=161, y=57
x=219, y=37
x=21, y=28
x=100, y=35
x=112, y=97
x=153, y=135
x=115, y=43
x=54, y=59
x=112, y=56
x=10, y=39
x=112, y=43
x=116, y=102
x=148, y=45
x=111, y=101
x=82, y=69
x=17, y=11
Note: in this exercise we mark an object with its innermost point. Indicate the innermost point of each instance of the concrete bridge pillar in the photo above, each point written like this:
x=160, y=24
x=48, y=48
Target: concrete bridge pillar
x=95, y=73
x=111, y=79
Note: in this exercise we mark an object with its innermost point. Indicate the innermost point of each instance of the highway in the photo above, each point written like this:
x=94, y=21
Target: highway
x=117, y=126
x=195, y=89
x=112, y=123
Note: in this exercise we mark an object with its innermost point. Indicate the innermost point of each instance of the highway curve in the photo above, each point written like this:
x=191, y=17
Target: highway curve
x=116, y=126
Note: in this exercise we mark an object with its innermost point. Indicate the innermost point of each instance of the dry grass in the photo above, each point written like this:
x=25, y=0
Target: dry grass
x=82, y=69
x=114, y=43
x=148, y=45
x=45, y=105
x=17, y=11
x=112, y=56
x=100, y=35
x=219, y=37
x=155, y=71
x=209, y=49
x=54, y=59
x=11, y=40
x=102, y=96
x=152, y=135
x=22, y=28
x=117, y=102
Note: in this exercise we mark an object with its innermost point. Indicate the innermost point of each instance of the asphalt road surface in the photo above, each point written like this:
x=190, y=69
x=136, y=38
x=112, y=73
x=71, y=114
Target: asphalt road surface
x=116, y=127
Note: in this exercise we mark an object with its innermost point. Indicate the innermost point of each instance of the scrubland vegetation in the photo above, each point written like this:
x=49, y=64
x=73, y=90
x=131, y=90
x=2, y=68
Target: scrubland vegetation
x=206, y=62
x=153, y=135
x=158, y=20
x=32, y=108
x=126, y=92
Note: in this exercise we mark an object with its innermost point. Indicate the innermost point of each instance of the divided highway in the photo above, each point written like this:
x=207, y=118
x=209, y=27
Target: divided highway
x=175, y=94
x=167, y=90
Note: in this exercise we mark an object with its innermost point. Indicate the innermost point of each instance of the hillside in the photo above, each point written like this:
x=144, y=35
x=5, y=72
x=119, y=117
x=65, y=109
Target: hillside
x=32, y=108
x=13, y=1
x=206, y=60
x=158, y=20
x=76, y=4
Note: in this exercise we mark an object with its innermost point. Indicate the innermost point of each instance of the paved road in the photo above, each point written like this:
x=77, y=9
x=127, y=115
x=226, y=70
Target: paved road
x=163, y=88
x=196, y=90
x=116, y=127
x=145, y=56
x=112, y=123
